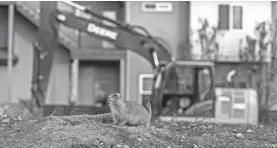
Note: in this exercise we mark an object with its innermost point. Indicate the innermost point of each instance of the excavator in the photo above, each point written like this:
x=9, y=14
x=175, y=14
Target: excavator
x=176, y=84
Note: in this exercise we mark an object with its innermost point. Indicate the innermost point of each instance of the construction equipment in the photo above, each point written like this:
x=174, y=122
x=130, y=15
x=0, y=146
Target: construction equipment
x=175, y=82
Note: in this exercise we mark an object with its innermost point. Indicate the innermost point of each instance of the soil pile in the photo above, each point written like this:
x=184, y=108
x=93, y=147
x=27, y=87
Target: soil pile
x=80, y=131
x=92, y=131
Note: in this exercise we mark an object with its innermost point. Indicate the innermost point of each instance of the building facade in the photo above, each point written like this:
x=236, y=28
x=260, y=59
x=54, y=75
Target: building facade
x=24, y=33
x=234, y=20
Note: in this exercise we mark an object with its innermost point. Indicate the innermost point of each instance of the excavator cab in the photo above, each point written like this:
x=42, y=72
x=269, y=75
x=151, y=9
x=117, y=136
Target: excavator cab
x=184, y=88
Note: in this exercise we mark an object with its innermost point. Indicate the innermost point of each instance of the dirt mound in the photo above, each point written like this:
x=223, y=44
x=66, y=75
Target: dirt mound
x=80, y=131
x=88, y=131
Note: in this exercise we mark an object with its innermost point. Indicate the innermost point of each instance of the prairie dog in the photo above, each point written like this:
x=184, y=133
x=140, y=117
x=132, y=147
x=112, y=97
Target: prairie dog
x=129, y=112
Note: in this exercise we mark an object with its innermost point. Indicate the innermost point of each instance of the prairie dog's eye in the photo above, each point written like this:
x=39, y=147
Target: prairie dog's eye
x=117, y=95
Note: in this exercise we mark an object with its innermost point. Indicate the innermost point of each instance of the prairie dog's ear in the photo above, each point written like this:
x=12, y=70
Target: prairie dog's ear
x=119, y=95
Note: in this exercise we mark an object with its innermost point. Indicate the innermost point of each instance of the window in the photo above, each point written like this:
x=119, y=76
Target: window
x=237, y=17
x=229, y=18
x=156, y=7
x=145, y=83
x=4, y=27
x=4, y=34
x=223, y=17
x=145, y=86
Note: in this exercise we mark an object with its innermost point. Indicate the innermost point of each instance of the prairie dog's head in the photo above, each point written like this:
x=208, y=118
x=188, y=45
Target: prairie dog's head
x=115, y=97
x=116, y=102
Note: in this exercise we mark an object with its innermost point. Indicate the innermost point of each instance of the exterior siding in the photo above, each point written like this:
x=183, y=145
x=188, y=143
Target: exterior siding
x=171, y=26
x=58, y=89
x=135, y=65
x=3, y=85
x=25, y=35
x=253, y=12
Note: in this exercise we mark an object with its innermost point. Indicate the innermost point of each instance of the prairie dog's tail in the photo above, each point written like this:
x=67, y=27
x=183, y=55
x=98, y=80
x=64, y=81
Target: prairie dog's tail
x=147, y=105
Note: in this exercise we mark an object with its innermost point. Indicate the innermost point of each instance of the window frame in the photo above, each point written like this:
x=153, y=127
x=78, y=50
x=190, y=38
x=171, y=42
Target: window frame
x=141, y=90
x=231, y=16
x=141, y=80
x=218, y=13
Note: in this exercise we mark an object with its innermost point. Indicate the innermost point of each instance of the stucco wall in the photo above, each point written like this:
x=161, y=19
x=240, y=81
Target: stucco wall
x=3, y=85
x=171, y=26
x=253, y=12
x=135, y=65
x=22, y=72
x=59, y=80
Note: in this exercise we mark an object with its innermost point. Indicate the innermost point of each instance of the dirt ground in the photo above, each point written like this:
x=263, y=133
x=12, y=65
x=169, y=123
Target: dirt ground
x=88, y=131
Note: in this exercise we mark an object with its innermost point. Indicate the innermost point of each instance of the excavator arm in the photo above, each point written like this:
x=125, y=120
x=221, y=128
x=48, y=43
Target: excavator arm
x=124, y=36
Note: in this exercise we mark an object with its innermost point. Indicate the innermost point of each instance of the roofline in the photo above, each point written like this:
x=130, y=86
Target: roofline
x=195, y=63
x=7, y=3
x=31, y=16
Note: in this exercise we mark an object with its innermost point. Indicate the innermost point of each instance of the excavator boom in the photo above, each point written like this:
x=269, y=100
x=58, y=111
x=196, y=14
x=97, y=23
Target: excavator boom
x=122, y=37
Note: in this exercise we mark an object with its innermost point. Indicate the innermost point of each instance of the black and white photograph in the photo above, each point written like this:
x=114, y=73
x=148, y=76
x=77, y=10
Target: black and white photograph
x=138, y=74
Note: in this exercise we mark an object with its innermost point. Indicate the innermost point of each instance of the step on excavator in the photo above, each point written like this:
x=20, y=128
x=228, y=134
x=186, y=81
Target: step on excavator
x=176, y=84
